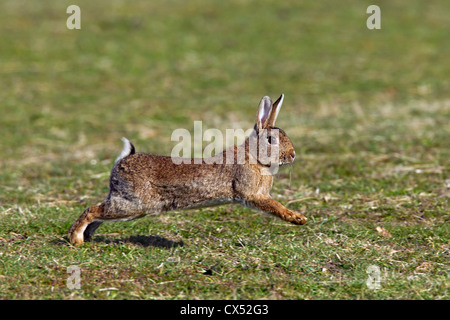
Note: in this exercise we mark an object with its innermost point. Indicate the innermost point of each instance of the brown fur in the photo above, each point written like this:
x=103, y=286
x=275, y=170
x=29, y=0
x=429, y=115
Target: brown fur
x=142, y=184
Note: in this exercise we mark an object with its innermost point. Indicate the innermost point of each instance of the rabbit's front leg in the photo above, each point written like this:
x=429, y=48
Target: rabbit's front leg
x=269, y=205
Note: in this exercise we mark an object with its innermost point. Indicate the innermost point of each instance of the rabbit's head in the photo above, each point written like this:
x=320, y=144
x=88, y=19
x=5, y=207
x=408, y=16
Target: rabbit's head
x=268, y=144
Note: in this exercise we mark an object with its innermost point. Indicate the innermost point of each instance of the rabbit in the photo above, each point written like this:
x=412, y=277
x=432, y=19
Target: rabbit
x=146, y=184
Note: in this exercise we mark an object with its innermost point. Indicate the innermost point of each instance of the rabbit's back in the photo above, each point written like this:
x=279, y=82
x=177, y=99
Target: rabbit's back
x=159, y=184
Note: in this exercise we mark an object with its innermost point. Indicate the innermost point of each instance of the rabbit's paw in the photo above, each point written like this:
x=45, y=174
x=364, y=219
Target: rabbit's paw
x=298, y=218
x=76, y=238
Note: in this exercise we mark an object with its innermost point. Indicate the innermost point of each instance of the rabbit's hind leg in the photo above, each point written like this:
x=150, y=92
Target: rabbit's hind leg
x=90, y=229
x=84, y=227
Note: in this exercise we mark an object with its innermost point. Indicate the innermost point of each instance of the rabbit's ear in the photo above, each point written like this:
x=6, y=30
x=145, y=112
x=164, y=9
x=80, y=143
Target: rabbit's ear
x=264, y=110
x=275, y=110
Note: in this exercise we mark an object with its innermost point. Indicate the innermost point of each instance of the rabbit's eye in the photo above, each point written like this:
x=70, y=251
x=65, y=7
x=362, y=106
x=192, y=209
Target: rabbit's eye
x=271, y=140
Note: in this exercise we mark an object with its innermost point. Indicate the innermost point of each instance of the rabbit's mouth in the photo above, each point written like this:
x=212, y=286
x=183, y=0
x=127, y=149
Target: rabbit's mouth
x=287, y=159
x=282, y=164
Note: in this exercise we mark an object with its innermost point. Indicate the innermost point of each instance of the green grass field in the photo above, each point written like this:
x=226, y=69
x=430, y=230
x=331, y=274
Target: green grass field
x=368, y=112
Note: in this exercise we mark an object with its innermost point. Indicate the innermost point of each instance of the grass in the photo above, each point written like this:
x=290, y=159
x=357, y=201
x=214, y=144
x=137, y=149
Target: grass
x=367, y=110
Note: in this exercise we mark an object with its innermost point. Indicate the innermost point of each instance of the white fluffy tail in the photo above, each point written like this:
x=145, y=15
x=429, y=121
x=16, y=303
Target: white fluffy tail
x=128, y=149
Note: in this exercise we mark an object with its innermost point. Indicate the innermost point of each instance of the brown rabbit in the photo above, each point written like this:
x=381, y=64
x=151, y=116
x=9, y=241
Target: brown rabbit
x=144, y=184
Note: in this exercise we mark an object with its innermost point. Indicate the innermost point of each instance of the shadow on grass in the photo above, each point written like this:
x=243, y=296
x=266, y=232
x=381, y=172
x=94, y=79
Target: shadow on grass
x=144, y=241
x=140, y=240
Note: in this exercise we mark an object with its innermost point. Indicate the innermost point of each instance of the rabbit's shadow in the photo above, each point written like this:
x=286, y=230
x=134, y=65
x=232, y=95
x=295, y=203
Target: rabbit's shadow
x=140, y=240
x=143, y=241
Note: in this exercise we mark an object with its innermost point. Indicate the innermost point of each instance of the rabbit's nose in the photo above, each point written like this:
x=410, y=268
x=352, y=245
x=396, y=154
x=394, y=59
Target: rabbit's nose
x=292, y=155
x=289, y=157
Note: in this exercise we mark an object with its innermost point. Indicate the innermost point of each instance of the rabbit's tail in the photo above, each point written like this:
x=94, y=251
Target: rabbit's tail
x=128, y=149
